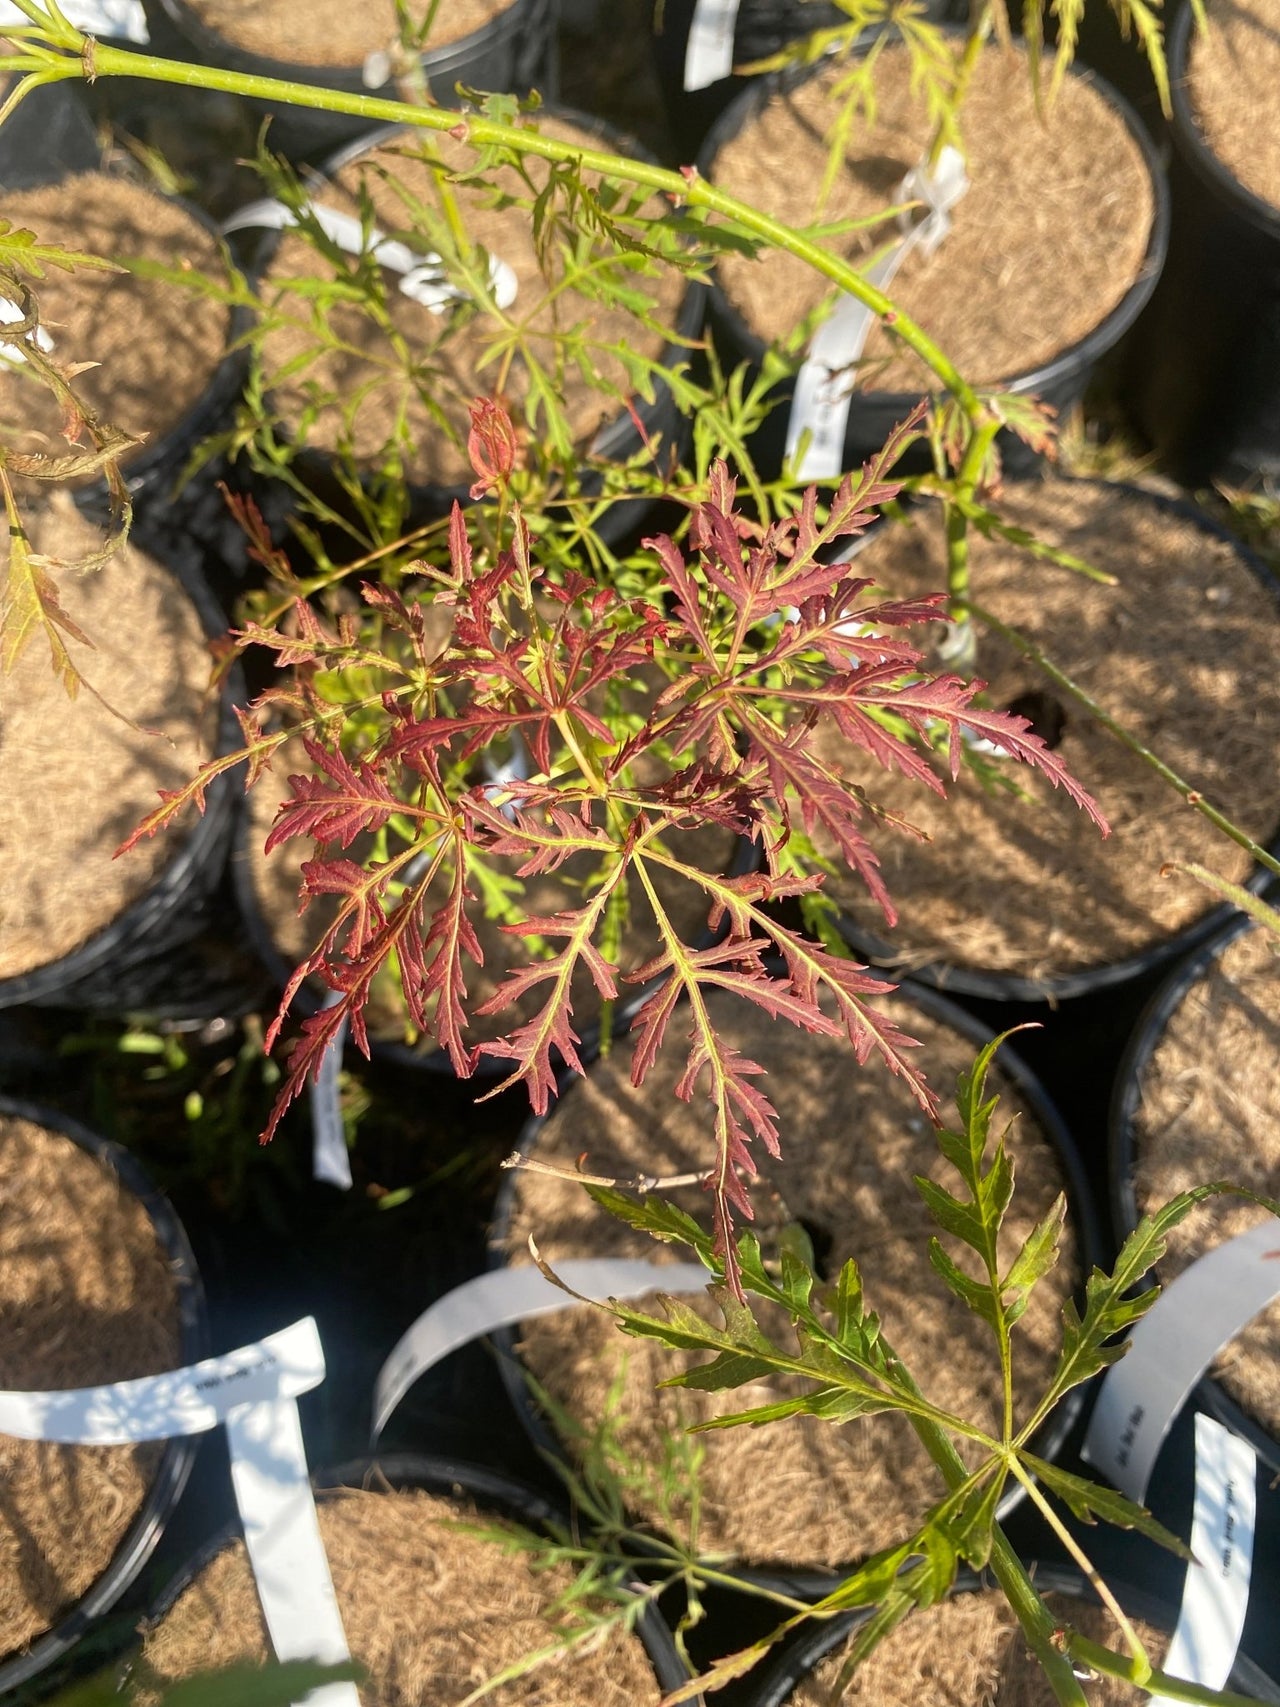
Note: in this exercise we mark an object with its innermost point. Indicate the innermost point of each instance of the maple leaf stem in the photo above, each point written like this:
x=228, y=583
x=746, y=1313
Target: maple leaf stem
x=642, y=1185
x=1082, y=1559
x=1082, y=697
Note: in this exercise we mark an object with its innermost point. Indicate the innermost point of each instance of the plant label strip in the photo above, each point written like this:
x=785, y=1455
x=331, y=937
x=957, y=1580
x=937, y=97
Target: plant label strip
x=825, y=383
x=422, y=277
x=1215, y=1598
x=1171, y=1347
x=330, y=1158
x=120, y=20
x=708, y=54
x=253, y=1392
x=510, y=1295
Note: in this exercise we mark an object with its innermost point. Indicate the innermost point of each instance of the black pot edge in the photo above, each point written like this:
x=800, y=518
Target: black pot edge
x=179, y=1454
x=1014, y=987
x=205, y=845
x=1077, y=357
x=438, y=62
x=1191, y=143
x=796, y=1663
x=808, y=1584
x=449, y=1477
x=1121, y=1147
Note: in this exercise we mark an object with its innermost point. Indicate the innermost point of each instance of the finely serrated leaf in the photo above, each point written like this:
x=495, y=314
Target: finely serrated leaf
x=657, y=1216
x=976, y=1294
x=1092, y=1500
x=1039, y=1250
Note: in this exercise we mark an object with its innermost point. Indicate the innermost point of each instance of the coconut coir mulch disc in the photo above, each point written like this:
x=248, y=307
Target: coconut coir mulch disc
x=1049, y=238
x=415, y=383
x=331, y=32
x=431, y=1611
x=1182, y=652
x=158, y=343
x=270, y=887
x=1208, y=1107
x=78, y=777
x=969, y=1651
x=87, y=1296
x=1232, y=76
x=801, y=1493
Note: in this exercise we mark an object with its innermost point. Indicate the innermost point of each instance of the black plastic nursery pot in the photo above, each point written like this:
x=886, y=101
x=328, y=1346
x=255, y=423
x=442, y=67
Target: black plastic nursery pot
x=1057, y=376
x=1203, y=374
x=160, y=355
x=444, y=1595
x=79, y=929
x=792, y=1482
x=1042, y=909
x=513, y=51
x=643, y=428
x=1195, y=1101
x=92, y=1172
x=911, y=1667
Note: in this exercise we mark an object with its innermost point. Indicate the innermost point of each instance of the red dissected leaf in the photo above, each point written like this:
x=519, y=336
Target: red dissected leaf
x=335, y=806
x=491, y=445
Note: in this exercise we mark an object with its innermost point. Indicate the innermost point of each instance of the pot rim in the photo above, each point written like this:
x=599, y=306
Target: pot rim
x=1082, y=354
x=1194, y=146
x=178, y=1454
x=803, y=1582
x=1122, y=1146
x=439, y=61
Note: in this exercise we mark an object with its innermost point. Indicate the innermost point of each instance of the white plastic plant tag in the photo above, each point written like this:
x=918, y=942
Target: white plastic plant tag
x=1215, y=1596
x=1171, y=1347
x=375, y=73
x=10, y=315
x=253, y=1392
x=330, y=1158
x=507, y=1296
x=421, y=276
x=825, y=383
x=124, y=20
x=708, y=53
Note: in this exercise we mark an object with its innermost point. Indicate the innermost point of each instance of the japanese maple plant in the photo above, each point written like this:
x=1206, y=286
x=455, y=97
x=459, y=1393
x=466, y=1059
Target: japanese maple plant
x=741, y=643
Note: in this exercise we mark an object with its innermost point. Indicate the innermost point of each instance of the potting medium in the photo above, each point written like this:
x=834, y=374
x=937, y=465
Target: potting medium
x=431, y=1608
x=1181, y=651
x=969, y=1651
x=1046, y=242
x=152, y=345
x=803, y=1494
x=90, y=1293
x=331, y=33
x=81, y=772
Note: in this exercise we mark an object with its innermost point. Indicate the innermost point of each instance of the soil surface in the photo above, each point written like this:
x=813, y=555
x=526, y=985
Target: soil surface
x=801, y=1492
x=331, y=32
x=157, y=341
x=86, y=1297
x=1181, y=651
x=430, y=1610
x=78, y=777
x=1210, y=1109
x=410, y=381
x=1232, y=75
x=1046, y=242
x=970, y=1651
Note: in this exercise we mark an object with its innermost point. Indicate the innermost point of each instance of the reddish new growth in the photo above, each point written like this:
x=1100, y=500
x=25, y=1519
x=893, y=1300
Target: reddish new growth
x=754, y=640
